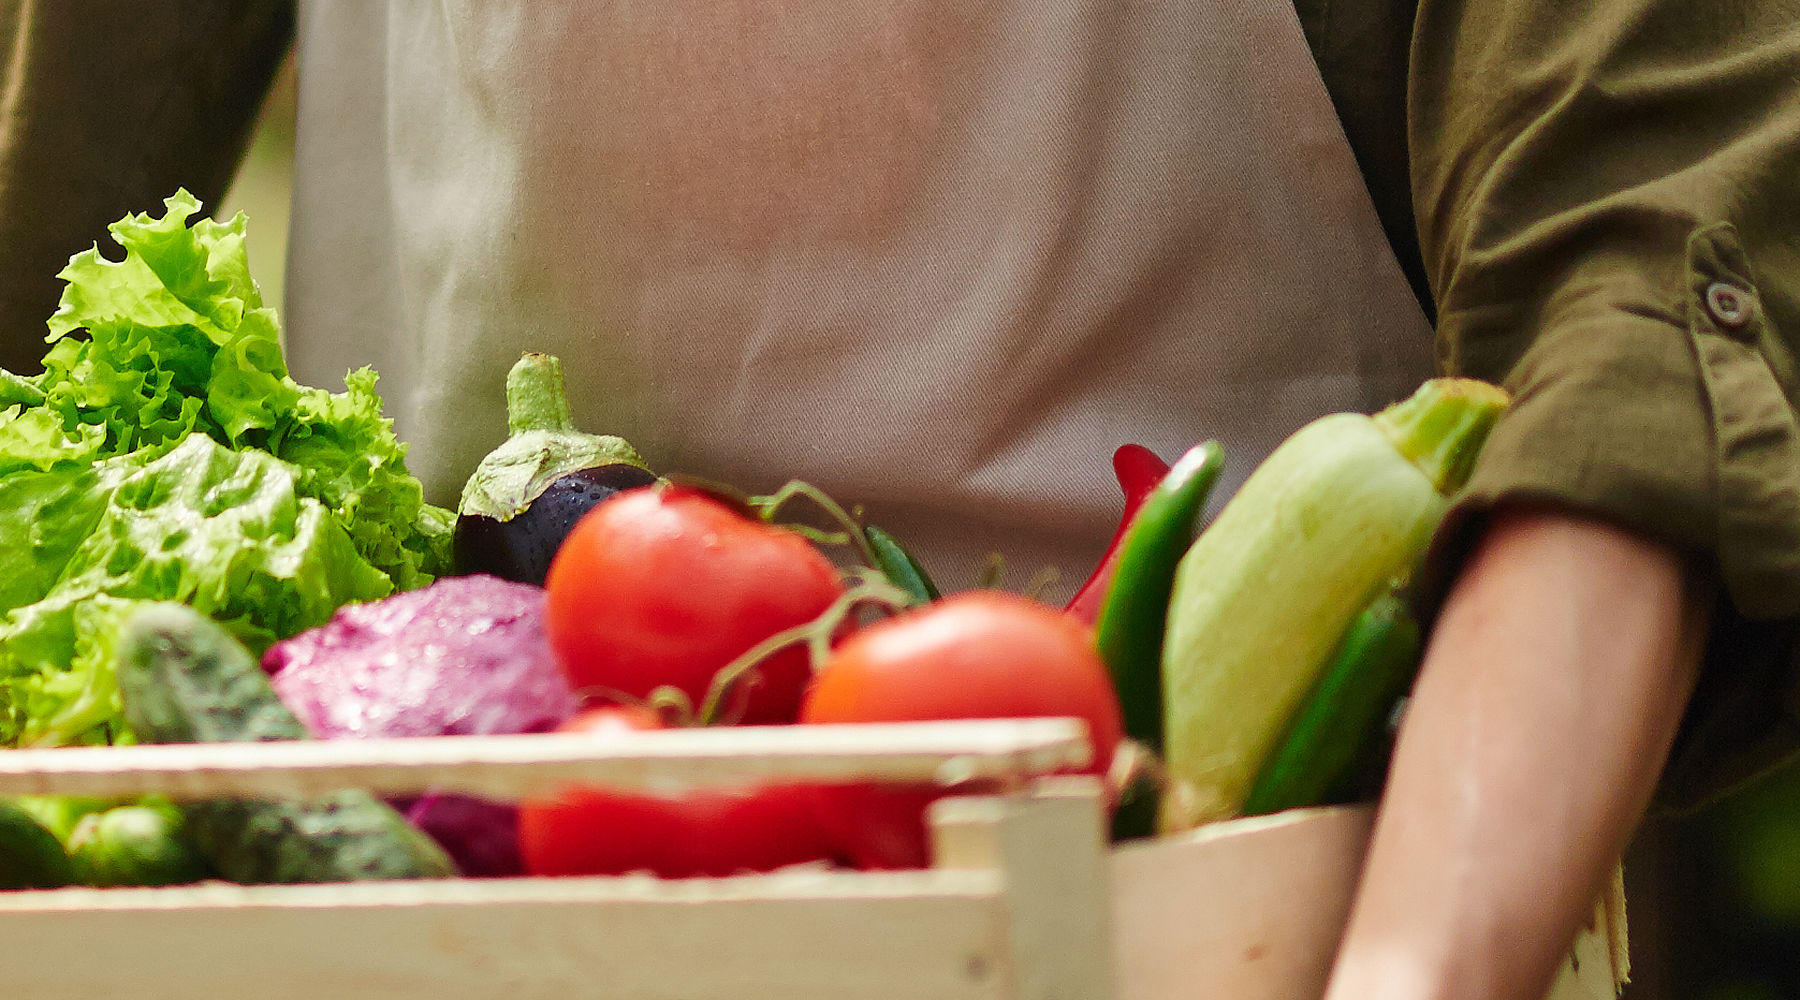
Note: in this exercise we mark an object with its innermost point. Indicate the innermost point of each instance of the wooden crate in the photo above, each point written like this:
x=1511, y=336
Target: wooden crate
x=1024, y=898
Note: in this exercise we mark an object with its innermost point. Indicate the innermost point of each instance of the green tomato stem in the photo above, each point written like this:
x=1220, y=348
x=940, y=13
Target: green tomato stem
x=817, y=633
x=769, y=508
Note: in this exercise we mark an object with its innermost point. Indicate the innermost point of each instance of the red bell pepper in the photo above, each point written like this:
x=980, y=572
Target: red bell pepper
x=1138, y=470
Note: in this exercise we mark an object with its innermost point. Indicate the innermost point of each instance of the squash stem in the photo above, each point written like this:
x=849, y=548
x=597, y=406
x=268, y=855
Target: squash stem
x=1441, y=427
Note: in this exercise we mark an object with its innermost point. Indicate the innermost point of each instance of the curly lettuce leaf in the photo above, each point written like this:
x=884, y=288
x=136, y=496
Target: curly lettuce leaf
x=179, y=341
x=168, y=455
x=178, y=337
x=225, y=532
x=53, y=513
x=56, y=671
x=374, y=497
x=35, y=438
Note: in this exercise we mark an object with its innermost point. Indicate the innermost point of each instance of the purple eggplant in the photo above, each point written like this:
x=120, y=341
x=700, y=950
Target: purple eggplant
x=526, y=494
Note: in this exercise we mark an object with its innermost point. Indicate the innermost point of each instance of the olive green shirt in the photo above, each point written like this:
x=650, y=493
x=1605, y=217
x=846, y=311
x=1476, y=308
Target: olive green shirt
x=1599, y=203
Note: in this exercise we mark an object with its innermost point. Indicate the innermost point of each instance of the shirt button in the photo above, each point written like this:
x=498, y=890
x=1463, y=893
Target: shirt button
x=1729, y=306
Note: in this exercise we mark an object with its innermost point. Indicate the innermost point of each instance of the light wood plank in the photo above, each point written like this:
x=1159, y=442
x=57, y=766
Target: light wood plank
x=1049, y=849
x=794, y=936
x=510, y=766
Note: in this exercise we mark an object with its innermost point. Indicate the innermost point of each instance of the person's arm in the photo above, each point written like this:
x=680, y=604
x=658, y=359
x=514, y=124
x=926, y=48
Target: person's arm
x=1604, y=196
x=1553, y=685
x=106, y=108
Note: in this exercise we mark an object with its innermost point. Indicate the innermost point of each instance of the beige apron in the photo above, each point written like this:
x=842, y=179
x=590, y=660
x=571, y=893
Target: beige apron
x=938, y=257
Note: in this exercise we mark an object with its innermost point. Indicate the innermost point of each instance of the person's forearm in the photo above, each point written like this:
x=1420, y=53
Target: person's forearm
x=1551, y=691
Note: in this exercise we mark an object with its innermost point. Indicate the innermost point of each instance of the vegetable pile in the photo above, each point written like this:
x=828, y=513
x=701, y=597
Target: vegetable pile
x=205, y=550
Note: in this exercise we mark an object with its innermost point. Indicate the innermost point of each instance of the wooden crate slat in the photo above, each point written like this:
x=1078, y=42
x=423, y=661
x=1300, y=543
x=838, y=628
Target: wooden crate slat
x=792, y=935
x=1049, y=847
x=511, y=766
x=799, y=882
x=1027, y=902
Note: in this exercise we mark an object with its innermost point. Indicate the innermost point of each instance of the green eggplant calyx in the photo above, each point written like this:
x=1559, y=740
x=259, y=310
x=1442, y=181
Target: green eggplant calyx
x=1441, y=427
x=542, y=447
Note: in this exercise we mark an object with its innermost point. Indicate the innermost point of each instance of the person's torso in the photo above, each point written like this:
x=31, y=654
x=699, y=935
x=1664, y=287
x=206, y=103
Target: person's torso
x=938, y=259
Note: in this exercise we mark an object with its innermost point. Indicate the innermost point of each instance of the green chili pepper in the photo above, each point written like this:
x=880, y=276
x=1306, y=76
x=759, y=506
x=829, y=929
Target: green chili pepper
x=899, y=566
x=1129, y=631
x=1340, y=729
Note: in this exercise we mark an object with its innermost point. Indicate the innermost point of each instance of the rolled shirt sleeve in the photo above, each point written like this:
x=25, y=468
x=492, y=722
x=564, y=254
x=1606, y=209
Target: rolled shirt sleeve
x=1608, y=203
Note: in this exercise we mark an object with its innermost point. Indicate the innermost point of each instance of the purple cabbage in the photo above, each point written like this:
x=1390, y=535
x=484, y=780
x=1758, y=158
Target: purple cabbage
x=464, y=656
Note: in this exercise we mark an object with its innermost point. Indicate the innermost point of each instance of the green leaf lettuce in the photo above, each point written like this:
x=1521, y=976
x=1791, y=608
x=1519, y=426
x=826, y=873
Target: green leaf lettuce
x=168, y=455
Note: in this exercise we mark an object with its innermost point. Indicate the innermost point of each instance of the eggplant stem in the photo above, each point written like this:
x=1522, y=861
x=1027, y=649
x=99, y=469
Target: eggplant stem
x=535, y=400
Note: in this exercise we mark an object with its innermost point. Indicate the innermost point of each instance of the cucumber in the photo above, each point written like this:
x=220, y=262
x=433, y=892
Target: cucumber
x=60, y=813
x=141, y=844
x=1341, y=728
x=184, y=679
x=30, y=856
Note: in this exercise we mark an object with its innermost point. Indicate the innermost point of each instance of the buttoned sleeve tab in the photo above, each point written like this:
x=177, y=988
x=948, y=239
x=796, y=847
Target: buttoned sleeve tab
x=1756, y=451
x=1676, y=422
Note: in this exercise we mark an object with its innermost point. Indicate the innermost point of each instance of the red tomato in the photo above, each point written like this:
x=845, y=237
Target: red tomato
x=975, y=655
x=664, y=586
x=713, y=832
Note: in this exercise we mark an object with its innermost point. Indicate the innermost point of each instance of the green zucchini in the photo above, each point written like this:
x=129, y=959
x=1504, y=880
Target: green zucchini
x=1341, y=728
x=1264, y=596
x=30, y=855
x=184, y=679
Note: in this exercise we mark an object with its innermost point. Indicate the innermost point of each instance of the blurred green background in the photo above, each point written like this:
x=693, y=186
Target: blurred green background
x=1714, y=899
